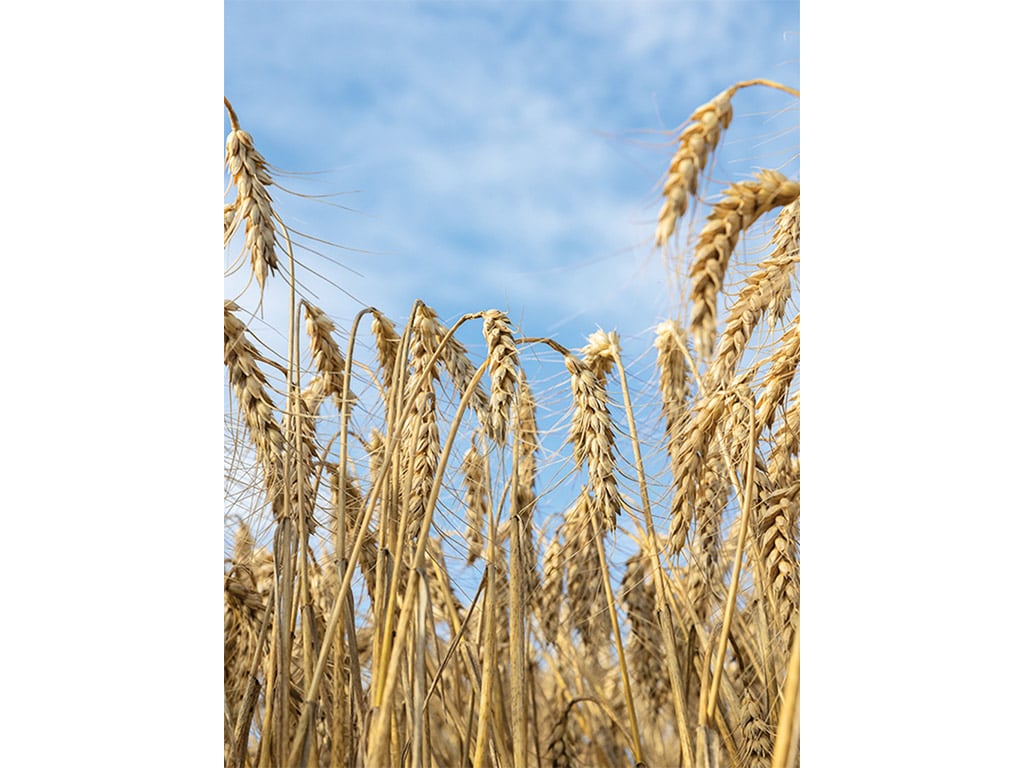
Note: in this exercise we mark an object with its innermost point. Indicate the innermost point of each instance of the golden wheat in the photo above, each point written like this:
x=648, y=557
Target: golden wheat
x=423, y=597
x=252, y=205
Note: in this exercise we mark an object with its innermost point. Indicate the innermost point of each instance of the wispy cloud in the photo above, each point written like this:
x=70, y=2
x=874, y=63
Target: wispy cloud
x=498, y=151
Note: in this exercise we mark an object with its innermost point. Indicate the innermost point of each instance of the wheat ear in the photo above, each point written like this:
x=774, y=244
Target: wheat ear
x=593, y=440
x=477, y=501
x=250, y=386
x=696, y=143
x=249, y=174
x=783, y=369
x=765, y=294
x=743, y=204
x=504, y=361
x=327, y=357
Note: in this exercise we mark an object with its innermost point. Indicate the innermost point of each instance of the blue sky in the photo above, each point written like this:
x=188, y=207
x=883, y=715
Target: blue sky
x=506, y=156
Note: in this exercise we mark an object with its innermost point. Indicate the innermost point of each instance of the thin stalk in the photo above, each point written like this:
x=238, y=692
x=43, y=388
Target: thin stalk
x=517, y=622
x=270, y=683
x=664, y=616
x=419, y=673
x=487, y=681
x=627, y=692
x=377, y=734
x=788, y=733
x=336, y=611
x=393, y=539
x=730, y=603
x=240, y=738
x=342, y=705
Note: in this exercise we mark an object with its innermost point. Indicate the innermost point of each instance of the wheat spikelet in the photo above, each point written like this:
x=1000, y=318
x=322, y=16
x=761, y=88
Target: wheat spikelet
x=687, y=467
x=742, y=205
x=783, y=368
x=477, y=501
x=526, y=431
x=230, y=212
x=756, y=733
x=703, y=574
x=561, y=745
x=327, y=357
x=777, y=533
x=696, y=142
x=461, y=370
x=783, y=462
x=645, y=646
x=502, y=594
x=249, y=174
x=424, y=448
x=427, y=333
x=367, y=555
x=527, y=444
x=501, y=350
x=765, y=293
x=776, y=537
x=672, y=381
x=244, y=604
x=302, y=488
x=549, y=604
x=388, y=342
x=599, y=353
x=246, y=591
x=584, y=589
x=592, y=437
x=250, y=386
x=421, y=443
x=786, y=253
x=673, y=386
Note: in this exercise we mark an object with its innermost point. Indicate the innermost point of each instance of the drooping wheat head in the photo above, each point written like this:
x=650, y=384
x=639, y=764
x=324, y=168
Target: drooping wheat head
x=743, y=204
x=696, y=143
x=254, y=402
x=765, y=294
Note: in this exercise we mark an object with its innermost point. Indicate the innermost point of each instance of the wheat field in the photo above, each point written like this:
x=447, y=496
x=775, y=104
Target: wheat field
x=467, y=545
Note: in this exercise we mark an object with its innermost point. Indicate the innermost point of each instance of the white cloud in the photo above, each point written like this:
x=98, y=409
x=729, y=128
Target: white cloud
x=498, y=150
